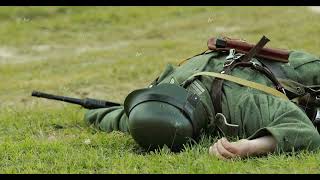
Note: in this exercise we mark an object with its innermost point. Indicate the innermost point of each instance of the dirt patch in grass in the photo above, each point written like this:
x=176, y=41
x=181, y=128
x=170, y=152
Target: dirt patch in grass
x=6, y=53
x=12, y=55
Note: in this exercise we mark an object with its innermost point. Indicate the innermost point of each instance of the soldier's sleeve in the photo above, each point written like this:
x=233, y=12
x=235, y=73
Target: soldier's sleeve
x=290, y=126
x=108, y=119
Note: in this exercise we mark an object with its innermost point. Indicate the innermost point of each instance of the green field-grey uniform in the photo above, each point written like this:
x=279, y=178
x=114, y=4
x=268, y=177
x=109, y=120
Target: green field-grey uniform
x=254, y=112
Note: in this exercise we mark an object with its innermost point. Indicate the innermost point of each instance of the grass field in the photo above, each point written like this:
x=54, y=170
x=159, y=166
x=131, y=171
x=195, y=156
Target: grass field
x=106, y=52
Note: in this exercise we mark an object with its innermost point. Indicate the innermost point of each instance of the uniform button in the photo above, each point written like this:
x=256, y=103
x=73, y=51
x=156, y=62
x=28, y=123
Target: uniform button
x=299, y=90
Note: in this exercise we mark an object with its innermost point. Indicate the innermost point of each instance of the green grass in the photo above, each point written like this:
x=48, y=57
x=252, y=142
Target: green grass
x=106, y=52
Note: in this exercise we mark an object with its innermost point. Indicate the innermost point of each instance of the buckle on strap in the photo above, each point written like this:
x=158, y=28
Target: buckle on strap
x=232, y=57
x=227, y=129
x=228, y=63
x=232, y=53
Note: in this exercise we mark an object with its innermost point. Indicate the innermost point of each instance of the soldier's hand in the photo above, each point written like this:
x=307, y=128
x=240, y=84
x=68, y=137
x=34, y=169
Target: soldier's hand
x=224, y=149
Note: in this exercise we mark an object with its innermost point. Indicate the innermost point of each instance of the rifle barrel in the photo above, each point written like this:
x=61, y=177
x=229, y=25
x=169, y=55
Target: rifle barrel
x=86, y=103
x=55, y=97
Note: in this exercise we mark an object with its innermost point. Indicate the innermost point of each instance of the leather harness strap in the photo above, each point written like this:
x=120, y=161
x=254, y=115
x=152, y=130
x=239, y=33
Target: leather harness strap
x=264, y=71
x=256, y=49
x=216, y=87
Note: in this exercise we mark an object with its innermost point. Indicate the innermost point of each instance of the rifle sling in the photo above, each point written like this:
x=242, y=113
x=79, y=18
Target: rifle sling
x=244, y=82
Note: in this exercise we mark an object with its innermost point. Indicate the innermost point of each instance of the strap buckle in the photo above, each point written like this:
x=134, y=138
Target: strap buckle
x=225, y=128
x=232, y=53
x=254, y=64
x=233, y=60
x=228, y=63
x=232, y=57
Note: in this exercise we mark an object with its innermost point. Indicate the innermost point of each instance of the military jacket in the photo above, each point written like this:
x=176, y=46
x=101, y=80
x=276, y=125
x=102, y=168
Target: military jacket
x=255, y=112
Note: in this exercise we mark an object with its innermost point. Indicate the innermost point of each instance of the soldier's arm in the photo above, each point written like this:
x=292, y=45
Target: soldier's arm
x=291, y=128
x=108, y=119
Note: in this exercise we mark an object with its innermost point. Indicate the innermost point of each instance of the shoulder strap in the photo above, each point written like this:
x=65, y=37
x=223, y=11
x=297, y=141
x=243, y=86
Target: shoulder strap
x=244, y=82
